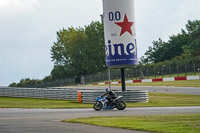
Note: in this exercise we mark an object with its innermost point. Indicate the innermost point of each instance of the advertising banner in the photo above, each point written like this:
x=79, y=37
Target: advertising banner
x=120, y=35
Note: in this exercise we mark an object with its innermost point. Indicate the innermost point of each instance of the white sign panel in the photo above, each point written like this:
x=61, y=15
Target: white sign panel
x=120, y=36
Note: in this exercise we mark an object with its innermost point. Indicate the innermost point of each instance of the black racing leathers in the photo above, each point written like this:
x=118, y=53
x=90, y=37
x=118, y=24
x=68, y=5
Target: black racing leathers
x=110, y=96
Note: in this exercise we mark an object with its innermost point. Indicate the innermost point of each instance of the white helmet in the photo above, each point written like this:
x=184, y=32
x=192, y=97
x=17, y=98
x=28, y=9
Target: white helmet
x=107, y=90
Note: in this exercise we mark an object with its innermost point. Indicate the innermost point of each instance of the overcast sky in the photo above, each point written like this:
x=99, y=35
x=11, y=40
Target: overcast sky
x=28, y=29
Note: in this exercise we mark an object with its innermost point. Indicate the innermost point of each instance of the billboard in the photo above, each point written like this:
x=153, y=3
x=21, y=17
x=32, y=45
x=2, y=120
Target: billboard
x=120, y=35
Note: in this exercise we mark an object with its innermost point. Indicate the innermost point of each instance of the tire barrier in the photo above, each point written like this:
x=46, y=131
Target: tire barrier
x=43, y=93
x=89, y=96
x=81, y=96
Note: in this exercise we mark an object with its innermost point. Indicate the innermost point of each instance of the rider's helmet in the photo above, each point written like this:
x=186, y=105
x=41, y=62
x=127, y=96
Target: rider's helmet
x=107, y=90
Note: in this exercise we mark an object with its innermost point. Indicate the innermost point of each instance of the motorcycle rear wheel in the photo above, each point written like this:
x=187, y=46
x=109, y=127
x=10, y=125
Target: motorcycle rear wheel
x=98, y=106
x=121, y=105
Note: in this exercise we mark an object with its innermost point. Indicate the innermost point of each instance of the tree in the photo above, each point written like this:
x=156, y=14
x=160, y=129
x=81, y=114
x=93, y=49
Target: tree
x=13, y=84
x=95, y=56
x=78, y=51
x=193, y=30
x=154, y=54
x=185, y=43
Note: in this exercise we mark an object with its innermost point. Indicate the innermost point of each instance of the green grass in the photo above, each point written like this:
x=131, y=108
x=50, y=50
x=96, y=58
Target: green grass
x=188, y=123
x=184, y=83
x=159, y=76
x=172, y=75
x=167, y=100
x=155, y=100
x=8, y=102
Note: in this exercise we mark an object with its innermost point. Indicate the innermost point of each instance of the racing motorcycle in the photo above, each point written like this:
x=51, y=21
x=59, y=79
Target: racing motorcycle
x=101, y=103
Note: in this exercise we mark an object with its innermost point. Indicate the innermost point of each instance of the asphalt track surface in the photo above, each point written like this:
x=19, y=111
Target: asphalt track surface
x=48, y=120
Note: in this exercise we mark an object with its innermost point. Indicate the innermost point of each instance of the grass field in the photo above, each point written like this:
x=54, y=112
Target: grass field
x=188, y=123
x=8, y=102
x=167, y=100
x=185, y=83
x=156, y=100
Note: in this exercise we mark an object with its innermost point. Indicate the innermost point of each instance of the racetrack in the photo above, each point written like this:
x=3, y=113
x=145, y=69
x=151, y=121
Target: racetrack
x=48, y=120
x=156, y=89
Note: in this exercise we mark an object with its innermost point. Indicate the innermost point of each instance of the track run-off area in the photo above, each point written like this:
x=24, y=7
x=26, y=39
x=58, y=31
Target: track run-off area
x=49, y=120
x=17, y=120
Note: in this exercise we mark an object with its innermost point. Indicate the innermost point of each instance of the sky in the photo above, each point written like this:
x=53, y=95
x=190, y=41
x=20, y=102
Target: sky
x=28, y=29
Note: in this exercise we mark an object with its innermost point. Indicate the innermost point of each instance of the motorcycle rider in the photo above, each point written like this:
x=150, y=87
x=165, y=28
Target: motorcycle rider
x=110, y=96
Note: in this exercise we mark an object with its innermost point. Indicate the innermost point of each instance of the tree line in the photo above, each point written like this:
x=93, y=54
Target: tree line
x=81, y=51
x=181, y=48
x=78, y=52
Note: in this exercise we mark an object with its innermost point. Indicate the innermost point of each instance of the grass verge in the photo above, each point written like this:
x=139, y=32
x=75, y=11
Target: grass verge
x=168, y=100
x=156, y=100
x=184, y=83
x=8, y=102
x=188, y=123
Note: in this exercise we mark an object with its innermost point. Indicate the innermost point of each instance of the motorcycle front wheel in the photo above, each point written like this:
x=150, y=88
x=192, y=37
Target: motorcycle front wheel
x=98, y=106
x=121, y=105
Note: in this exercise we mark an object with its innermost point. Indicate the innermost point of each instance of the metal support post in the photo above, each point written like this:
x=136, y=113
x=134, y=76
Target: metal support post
x=123, y=80
x=109, y=78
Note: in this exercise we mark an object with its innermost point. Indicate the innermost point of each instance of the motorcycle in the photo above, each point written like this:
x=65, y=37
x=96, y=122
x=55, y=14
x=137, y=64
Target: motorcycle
x=101, y=104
